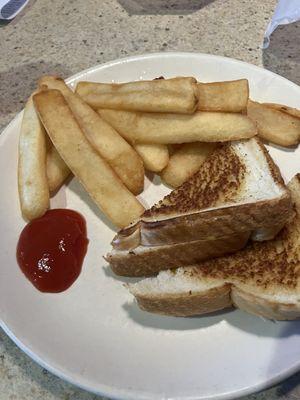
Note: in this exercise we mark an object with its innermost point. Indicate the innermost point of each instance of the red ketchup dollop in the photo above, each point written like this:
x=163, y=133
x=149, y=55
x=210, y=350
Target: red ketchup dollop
x=51, y=250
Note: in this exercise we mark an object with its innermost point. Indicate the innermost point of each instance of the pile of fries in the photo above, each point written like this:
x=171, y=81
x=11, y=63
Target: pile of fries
x=106, y=135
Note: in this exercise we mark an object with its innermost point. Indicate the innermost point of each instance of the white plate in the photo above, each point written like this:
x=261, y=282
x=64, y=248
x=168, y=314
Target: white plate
x=93, y=335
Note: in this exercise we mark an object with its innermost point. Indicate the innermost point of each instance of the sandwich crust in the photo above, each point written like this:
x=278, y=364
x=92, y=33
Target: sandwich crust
x=214, y=299
x=144, y=261
x=269, y=215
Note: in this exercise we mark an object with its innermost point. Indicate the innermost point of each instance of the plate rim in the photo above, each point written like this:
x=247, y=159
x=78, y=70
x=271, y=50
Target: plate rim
x=124, y=394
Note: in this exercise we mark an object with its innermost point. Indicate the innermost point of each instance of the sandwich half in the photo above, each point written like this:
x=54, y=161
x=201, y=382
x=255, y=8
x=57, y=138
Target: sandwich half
x=237, y=193
x=263, y=279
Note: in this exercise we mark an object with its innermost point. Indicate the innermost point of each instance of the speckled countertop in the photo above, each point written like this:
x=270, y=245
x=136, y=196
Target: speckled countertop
x=64, y=37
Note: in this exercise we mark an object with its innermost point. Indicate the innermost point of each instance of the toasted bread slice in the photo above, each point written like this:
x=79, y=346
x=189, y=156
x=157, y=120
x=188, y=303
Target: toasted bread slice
x=263, y=279
x=238, y=192
x=237, y=189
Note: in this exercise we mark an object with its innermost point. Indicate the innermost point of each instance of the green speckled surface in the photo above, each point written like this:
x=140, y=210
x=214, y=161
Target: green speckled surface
x=64, y=37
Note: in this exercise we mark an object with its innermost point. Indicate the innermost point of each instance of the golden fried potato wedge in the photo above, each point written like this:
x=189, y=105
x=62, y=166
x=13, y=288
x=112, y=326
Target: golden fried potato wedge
x=228, y=96
x=94, y=173
x=202, y=126
x=111, y=146
x=178, y=95
x=274, y=125
x=32, y=178
x=154, y=156
x=185, y=162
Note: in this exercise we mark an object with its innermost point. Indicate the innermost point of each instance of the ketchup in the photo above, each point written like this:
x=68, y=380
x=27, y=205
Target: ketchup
x=51, y=250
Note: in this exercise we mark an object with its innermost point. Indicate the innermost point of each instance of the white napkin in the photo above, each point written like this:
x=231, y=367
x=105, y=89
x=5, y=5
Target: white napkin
x=10, y=8
x=286, y=12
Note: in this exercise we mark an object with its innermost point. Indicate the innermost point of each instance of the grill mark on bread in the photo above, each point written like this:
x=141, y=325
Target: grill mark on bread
x=219, y=178
x=266, y=265
x=282, y=272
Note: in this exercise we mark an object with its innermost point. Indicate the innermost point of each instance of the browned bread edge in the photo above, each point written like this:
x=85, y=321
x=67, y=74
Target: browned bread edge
x=214, y=299
x=157, y=258
x=218, y=298
x=213, y=224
